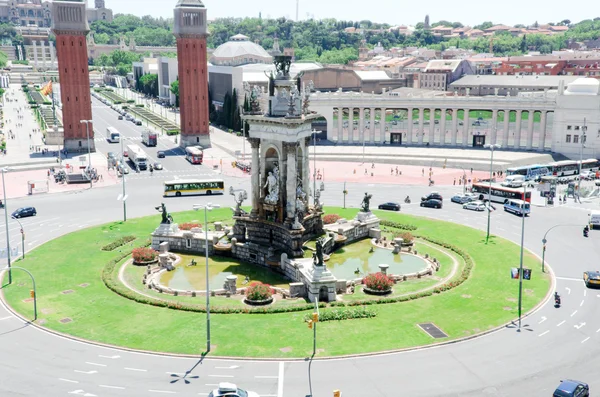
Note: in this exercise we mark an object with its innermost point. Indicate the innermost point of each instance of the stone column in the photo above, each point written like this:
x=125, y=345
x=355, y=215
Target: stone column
x=52, y=53
x=409, y=137
x=340, y=134
x=530, y=129
x=506, y=128
x=517, y=143
x=454, y=126
x=542, y=140
x=382, y=125
x=306, y=175
x=431, y=126
x=494, y=133
x=465, y=140
x=350, y=125
x=442, y=127
x=35, y=54
x=42, y=44
x=420, y=132
x=372, y=126
x=290, y=184
x=361, y=124
x=256, y=167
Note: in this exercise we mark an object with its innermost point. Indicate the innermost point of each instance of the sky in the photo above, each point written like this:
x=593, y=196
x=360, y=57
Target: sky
x=394, y=12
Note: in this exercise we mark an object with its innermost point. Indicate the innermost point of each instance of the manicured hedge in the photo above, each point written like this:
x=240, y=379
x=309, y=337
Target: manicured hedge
x=397, y=225
x=118, y=243
x=343, y=314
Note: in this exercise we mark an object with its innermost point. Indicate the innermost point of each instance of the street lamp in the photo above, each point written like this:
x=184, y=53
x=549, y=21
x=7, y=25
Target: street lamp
x=206, y=208
x=123, y=196
x=314, y=131
x=544, y=241
x=492, y=147
x=22, y=235
x=584, y=129
x=87, y=130
x=521, y=259
x=4, y=170
x=464, y=180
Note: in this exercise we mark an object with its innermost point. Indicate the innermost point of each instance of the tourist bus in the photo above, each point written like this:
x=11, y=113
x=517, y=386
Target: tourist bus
x=194, y=154
x=193, y=187
x=530, y=172
x=571, y=167
x=113, y=135
x=500, y=194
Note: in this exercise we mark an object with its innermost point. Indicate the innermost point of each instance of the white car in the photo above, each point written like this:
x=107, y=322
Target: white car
x=231, y=390
x=475, y=206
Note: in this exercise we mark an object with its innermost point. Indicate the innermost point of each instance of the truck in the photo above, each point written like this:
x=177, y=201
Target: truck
x=149, y=138
x=137, y=157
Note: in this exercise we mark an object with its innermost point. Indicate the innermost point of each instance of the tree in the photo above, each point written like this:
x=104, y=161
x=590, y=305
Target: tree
x=175, y=91
x=485, y=25
x=149, y=84
x=565, y=22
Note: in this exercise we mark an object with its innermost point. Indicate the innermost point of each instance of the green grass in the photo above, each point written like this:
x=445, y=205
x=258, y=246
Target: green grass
x=484, y=301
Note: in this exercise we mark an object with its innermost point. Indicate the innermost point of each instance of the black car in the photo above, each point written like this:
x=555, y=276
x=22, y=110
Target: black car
x=389, y=206
x=572, y=388
x=160, y=154
x=432, y=203
x=433, y=196
x=24, y=212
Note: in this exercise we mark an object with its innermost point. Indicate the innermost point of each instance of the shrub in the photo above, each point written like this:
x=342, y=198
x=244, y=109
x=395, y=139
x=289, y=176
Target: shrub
x=188, y=226
x=144, y=254
x=343, y=314
x=397, y=225
x=259, y=292
x=118, y=243
x=407, y=237
x=172, y=132
x=331, y=218
x=378, y=282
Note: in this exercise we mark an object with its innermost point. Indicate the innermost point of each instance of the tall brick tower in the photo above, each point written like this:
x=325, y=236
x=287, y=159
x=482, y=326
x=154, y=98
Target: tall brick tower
x=69, y=24
x=191, y=32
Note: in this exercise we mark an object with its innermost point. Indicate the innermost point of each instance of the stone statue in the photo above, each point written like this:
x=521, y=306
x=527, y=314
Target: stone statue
x=318, y=205
x=241, y=196
x=282, y=65
x=272, y=187
x=319, y=254
x=254, y=102
x=166, y=217
x=366, y=202
x=292, y=112
x=271, y=78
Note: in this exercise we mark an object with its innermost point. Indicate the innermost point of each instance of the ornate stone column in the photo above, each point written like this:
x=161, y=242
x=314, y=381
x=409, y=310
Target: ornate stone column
x=442, y=127
x=306, y=175
x=382, y=125
x=409, y=127
x=35, y=53
x=465, y=138
x=256, y=167
x=340, y=134
x=421, y=130
x=290, y=183
x=542, y=140
x=42, y=44
x=517, y=143
x=506, y=128
x=350, y=125
x=431, y=126
x=372, y=126
x=530, y=119
x=454, y=126
x=494, y=126
x=361, y=124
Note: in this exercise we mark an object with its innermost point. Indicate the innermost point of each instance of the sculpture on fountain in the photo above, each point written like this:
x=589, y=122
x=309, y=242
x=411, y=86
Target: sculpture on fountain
x=366, y=202
x=272, y=186
x=239, y=196
x=167, y=219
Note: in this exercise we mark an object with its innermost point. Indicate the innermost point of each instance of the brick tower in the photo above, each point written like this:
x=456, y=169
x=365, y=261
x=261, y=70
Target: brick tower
x=191, y=31
x=69, y=24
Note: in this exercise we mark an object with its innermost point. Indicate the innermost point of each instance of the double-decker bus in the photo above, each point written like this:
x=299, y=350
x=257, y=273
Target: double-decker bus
x=194, y=154
x=499, y=193
x=193, y=187
x=530, y=171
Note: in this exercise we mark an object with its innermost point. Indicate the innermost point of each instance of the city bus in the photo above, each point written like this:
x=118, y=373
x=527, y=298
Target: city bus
x=500, y=194
x=571, y=167
x=113, y=135
x=530, y=172
x=193, y=187
x=194, y=154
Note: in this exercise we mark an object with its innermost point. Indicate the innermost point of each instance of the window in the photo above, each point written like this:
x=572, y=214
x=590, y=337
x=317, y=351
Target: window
x=568, y=138
x=576, y=128
x=188, y=243
x=575, y=138
x=569, y=127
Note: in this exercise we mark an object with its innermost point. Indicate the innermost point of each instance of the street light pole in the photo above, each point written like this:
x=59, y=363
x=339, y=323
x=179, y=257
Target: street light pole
x=314, y=131
x=22, y=236
x=521, y=259
x=123, y=180
x=544, y=241
x=584, y=129
x=492, y=147
x=87, y=130
x=4, y=170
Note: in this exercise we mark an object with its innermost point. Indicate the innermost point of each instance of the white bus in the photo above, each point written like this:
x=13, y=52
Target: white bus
x=571, y=167
x=193, y=187
x=500, y=194
x=518, y=207
x=530, y=171
x=112, y=135
x=194, y=154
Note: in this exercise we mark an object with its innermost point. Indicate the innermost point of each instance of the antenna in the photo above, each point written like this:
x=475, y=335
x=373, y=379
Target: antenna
x=297, y=9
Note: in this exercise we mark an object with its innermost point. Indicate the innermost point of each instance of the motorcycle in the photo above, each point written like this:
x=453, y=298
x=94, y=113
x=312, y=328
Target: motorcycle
x=586, y=231
x=407, y=200
x=556, y=300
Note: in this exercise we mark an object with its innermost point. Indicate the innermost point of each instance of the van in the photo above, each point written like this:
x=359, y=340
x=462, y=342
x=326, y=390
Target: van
x=514, y=181
x=595, y=220
x=517, y=207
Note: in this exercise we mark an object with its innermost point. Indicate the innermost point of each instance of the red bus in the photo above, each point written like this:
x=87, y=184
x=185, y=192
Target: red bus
x=194, y=155
x=500, y=194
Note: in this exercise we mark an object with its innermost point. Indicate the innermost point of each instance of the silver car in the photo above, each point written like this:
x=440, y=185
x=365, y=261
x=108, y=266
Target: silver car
x=231, y=390
x=475, y=206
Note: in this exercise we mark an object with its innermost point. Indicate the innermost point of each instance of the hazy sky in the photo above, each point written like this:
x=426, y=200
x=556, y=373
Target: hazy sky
x=394, y=12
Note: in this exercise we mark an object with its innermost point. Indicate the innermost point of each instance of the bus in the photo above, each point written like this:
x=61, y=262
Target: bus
x=591, y=165
x=571, y=167
x=194, y=154
x=193, y=187
x=500, y=194
x=113, y=135
x=518, y=207
x=530, y=172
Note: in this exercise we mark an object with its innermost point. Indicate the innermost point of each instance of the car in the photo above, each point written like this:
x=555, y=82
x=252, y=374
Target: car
x=432, y=203
x=157, y=166
x=160, y=154
x=24, y=212
x=231, y=390
x=475, y=206
x=120, y=117
x=462, y=199
x=591, y=278
x=136, y=122
x=572, y=388
x=389, y=206
x=125, y=154
x=111, y=155
x=123, y=169
x=434, y=196
x=587, y=175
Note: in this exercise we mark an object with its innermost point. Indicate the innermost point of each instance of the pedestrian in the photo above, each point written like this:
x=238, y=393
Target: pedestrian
x=471, y=170
x=372, y=165
x=365, y=171
x=392, y=171
x=494, y=174
x=469, y=181
x=396, y=170
x=423, y=172
x=460, y=182
x=454, y=181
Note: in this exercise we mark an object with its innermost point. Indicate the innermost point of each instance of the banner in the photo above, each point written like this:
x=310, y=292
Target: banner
x=514, y=273
x=47, y=89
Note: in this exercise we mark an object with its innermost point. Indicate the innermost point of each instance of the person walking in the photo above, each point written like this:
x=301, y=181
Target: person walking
x=454, y=182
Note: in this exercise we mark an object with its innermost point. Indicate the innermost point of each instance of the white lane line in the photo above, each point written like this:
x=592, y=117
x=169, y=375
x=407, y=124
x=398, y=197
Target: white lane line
x=112, y=387
x=211, y=384
x=96, y=364
x=585, y=340
x=267, y=377
x=280, y=382
x=53, y=230
x=543, y=333
x=112, y=357
x=542, y=320
x=68, y=380
x=561, y=323
x=221, y=376
x=568, y=290
x=581, y=304
x=572, y=314
x=585, y=292
x=162, y=391
x=136, y=369
x=86, y=372
x=6, y=318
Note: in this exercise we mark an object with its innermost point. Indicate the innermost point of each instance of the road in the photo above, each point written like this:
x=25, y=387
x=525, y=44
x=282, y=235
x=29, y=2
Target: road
x=554, y=343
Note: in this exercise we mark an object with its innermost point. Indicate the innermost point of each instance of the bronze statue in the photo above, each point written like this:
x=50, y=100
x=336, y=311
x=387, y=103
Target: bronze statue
x=319, y=254
x=166, y=217
x=366, y=202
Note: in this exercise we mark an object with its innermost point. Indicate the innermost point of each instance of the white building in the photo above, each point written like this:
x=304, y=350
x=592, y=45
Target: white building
x=167, y=73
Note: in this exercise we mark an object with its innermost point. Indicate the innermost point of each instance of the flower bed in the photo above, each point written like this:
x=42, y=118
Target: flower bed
x=377, y=283
x=144, y=255
x=118, y=243
x=407, y=239
x=189, y=226
x=331, y=218
x=259, y=294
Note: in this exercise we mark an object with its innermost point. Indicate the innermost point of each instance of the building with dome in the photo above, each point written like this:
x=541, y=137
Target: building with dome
x=239, y=50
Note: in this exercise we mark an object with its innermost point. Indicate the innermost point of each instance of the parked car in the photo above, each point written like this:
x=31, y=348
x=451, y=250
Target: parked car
x=157, y=166
x=120, y=117
x=462, y=199
x=389, y=206
x=588, y=175
x=591, y=278
x=137, y=122
x=231, y=390
x=432, y=203
x=572, y=388
x=433, y=195
x=160, y=154
x=475, y=206
x=125, y=154
x=24, y=212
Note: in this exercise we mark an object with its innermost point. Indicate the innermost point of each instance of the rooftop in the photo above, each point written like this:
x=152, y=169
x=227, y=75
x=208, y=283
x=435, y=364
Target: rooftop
x=512, y=81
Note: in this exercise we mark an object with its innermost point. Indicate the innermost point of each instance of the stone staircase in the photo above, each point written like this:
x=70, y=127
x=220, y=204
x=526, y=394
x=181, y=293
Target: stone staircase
x=9, y=50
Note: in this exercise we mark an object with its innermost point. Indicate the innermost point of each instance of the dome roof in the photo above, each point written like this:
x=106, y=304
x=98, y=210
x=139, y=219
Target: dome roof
x=239, y=46
x=583, y=86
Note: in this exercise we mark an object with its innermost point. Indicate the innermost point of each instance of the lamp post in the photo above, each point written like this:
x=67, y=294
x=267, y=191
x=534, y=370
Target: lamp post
x=33, y=292
x=583, y=136
x=492, y=147
x=544, y=241
x=521, y=258
x=207, y=207
x=463, y=181
x=22, y=235
x=87, y=130
x=4, y=170
x=124, y=195
x=314, y=131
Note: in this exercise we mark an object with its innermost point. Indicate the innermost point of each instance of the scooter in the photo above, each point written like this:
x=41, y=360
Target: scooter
x=407, y=200
x=556, y=300
x=586, y=231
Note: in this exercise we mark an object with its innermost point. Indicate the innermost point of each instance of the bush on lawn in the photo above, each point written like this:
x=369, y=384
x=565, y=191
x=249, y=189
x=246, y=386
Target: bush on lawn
x=407, y=237
x=259, y=292
x=343, y=314
x=397, y=225
x=378, y=282
x=331, y=218
x=144, y=254
x=118, y=243
x=188, y=226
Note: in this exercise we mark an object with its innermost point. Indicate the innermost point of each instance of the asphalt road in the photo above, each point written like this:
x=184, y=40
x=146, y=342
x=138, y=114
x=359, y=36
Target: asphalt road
x=553, y=344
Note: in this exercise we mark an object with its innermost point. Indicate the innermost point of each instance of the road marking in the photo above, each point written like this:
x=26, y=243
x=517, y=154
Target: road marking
x=135, y=369
x=579, y=326
x=568, y=290
x=572, y=314
x=230, y=367
x=162, y=391
x=82, y=393
x=112, y=357
x=98, y=365
x=112, y=387
x=542, y=320
x=6, y=318
x=267, y=377
x=175, y=373
x=280, y=382
x=568, y=278
x=561, y=323
x=585, y=292
x=87, y=373
x=581, y=304
x=221, y=376
x=585, y=340
x=543, y=333
x=68, y=380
